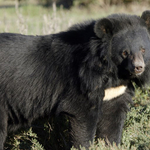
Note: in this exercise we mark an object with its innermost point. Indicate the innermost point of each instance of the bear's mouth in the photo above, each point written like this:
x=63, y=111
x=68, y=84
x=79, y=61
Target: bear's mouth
x=134, y=74
x=139, y=74
x=130, y=74
x=135, y=71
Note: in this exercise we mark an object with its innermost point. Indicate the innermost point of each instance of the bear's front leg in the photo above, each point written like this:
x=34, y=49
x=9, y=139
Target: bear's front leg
x=83, y=131
x=83, y=127
x=111, y=122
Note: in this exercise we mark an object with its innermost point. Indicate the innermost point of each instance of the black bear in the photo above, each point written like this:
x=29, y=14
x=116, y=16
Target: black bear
x=75, y=73
x=132, y=67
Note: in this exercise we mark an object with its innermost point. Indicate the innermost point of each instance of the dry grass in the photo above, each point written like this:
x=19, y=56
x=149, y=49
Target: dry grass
x=31, y=19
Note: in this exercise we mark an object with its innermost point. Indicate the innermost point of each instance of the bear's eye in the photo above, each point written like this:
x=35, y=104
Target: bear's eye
x=142, y=50
x=125, y=53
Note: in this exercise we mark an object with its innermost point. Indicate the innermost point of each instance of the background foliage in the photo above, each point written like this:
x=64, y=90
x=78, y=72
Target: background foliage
x=83, y=3
x=32, y=17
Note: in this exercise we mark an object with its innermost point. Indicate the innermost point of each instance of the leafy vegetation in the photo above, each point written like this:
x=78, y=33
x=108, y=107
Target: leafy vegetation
x=31, y=19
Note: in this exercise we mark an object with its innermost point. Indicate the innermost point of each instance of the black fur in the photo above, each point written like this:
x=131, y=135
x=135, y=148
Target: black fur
x=127, y=36
x=67, y=73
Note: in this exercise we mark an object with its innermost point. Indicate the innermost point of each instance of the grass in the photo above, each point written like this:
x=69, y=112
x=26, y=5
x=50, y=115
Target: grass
x=35, y=20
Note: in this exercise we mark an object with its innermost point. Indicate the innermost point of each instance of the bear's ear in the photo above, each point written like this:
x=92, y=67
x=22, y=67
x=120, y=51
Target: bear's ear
x=103, y=27
x=146, y=17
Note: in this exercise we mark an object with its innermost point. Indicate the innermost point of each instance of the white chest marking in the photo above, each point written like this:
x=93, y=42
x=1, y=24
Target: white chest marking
x=114, y=92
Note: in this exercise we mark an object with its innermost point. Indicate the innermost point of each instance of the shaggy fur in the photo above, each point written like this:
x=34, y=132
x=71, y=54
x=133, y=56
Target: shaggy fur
x=68, y=73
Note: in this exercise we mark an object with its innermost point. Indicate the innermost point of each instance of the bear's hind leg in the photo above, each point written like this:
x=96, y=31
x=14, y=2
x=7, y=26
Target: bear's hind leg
x=3, y=127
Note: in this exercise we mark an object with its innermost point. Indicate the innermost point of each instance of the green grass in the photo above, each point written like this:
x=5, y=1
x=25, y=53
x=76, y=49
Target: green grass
x=35, y=19
x=137, y=127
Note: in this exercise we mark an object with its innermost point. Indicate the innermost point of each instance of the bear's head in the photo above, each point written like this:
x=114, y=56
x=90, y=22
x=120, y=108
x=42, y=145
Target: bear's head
x=129, y=42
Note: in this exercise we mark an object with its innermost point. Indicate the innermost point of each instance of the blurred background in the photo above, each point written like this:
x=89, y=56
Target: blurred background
x=49, y=16
x=40, y=17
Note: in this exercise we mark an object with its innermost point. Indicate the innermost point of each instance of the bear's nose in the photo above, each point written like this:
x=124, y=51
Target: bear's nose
x=139, y=69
